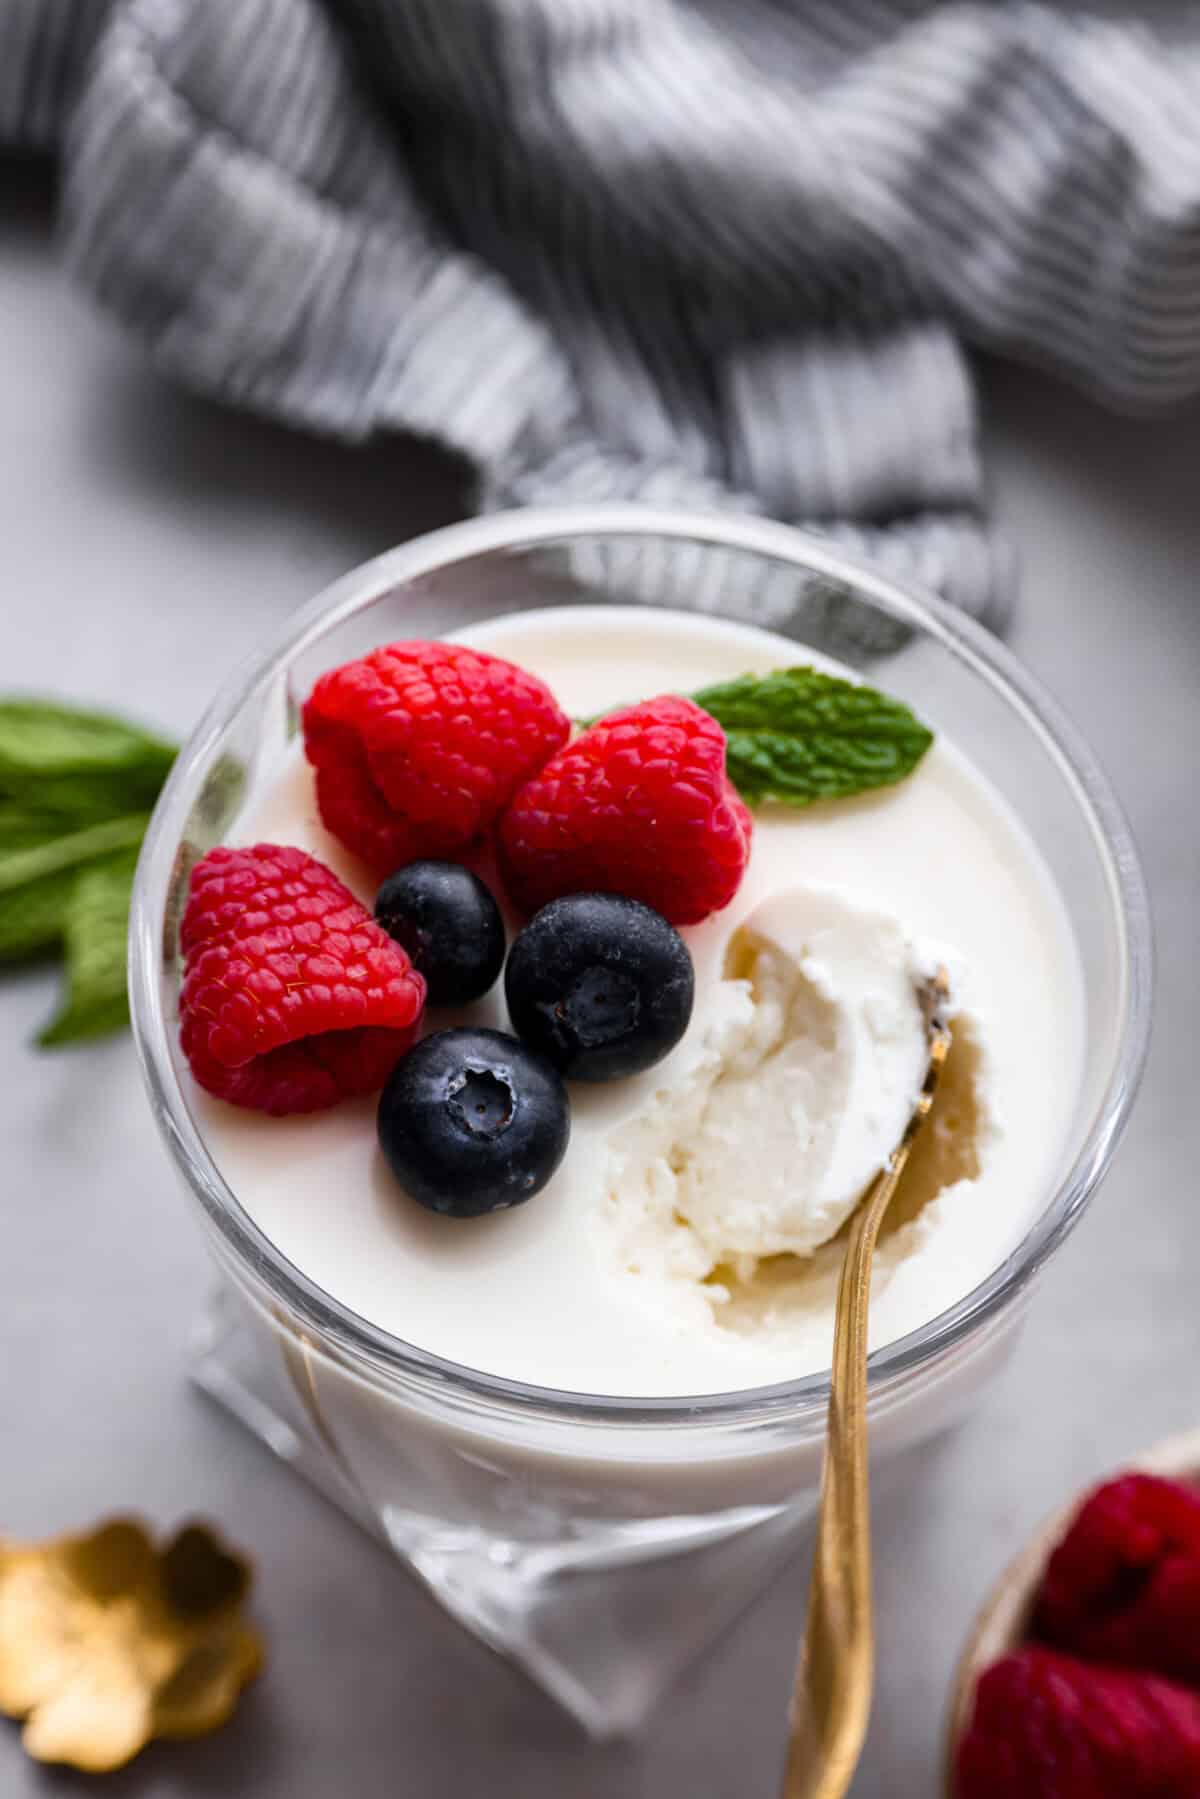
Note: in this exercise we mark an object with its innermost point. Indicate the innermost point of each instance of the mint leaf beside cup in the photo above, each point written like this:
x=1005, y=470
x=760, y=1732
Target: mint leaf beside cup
x=95, y=930
x=76, y=791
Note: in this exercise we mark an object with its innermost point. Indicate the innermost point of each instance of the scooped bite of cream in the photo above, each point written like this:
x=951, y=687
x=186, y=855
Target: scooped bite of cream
x=803, y=1076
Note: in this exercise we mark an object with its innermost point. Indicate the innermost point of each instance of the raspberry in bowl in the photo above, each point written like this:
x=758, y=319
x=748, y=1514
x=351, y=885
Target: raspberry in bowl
x=1082, y=1676
x=582, y=1390
x=293, y=997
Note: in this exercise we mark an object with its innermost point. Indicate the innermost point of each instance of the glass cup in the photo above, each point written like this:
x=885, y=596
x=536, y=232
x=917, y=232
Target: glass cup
x=596, y=1541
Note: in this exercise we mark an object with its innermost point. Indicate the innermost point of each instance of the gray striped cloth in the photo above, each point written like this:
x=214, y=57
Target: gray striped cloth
x=704, y=252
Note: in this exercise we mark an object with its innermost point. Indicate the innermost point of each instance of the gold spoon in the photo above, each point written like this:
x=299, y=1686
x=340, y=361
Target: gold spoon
x=831, y=1700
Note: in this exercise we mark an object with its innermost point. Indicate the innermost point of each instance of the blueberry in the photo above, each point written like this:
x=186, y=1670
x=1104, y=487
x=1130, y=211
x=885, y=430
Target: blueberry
x=447, y=920
x=472, y=1121
x=601, y=985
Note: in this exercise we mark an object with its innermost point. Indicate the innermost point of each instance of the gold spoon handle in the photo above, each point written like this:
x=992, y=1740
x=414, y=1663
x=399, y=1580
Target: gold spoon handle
x=831, y=1700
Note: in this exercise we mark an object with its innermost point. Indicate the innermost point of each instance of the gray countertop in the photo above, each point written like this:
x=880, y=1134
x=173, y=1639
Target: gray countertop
x=147, y=540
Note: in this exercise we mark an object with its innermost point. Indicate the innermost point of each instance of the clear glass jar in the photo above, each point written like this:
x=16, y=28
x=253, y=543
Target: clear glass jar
x=599, y=1542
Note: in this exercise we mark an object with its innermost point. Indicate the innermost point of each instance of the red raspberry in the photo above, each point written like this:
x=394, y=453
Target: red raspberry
x=420, y=746
x=640, y=805
x=1123, y=1586
x=293, y=997
x=1047, y=1727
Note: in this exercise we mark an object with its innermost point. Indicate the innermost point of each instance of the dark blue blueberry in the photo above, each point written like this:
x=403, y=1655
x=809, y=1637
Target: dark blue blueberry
x=447, y=920
x=472, y=1121
x=600, y=985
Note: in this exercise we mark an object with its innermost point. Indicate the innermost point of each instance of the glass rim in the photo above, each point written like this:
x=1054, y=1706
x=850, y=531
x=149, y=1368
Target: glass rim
x=970, y=642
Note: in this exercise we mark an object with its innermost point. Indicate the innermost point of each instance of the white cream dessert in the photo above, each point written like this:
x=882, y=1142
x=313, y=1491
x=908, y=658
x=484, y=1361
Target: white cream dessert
x=688, y=1243
x=787, y=1103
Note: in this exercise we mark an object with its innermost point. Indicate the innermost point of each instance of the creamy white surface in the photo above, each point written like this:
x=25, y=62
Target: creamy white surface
x=544, y=1293
x=821, y=1082
x=796, y=1082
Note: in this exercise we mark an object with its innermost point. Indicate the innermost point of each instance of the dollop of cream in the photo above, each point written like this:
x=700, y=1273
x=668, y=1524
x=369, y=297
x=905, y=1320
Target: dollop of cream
x=802, y=1075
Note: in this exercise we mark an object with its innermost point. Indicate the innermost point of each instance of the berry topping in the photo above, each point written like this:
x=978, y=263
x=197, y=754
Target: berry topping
x=449, y=923
x=419, y=746
x=1123, y=1586
x=600, y=985
x=471, y=1121
x=1047, y=1727
x=640, y=803
x=292, y=996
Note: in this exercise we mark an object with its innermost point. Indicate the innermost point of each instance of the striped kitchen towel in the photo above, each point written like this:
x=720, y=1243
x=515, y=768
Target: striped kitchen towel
x=702, y=252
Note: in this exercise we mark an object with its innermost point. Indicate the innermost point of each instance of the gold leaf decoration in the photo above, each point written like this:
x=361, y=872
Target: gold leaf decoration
x=107, y=1642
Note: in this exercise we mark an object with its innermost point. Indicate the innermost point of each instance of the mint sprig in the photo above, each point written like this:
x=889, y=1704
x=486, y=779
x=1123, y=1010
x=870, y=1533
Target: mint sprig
x=95, y=931
x=76, y=791
x=799, y=735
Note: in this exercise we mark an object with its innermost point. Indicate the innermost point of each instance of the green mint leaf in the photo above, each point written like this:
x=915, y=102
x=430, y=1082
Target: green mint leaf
x=22, y=829
x=66, y=768
x=76, y=790
x=56, y=803
x=800, y=735
x=42, y=737
x=58, y=855
x=95, y=930
x=38, y=878
x=32, y=918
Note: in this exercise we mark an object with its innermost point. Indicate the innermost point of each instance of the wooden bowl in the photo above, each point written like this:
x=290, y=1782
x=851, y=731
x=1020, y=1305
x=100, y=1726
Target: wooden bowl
x=1001, y=1625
